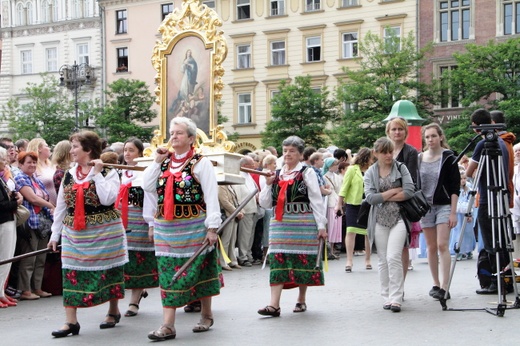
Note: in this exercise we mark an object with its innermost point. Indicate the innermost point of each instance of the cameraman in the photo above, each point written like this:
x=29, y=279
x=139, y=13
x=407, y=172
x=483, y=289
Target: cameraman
x=478, y=118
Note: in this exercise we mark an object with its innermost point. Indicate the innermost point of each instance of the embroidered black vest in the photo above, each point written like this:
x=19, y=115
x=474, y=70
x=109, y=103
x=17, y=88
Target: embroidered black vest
x=297, y=198
x=189, y=198
x=136, y=196
x=95, y=212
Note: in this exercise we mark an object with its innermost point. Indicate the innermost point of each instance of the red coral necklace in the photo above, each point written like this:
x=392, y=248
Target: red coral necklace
x=79, y=173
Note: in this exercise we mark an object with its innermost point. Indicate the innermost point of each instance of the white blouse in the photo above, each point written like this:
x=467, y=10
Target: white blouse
x=204, y=173
x=107, y=189
x=313, y=190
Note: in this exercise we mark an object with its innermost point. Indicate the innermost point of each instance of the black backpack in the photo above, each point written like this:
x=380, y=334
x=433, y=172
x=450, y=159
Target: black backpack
x=484, y=269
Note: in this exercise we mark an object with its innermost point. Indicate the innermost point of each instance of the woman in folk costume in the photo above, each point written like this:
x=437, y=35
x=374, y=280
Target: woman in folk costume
x=92, y=235
x=188, y=215
x=137, y=211
x=298, y=224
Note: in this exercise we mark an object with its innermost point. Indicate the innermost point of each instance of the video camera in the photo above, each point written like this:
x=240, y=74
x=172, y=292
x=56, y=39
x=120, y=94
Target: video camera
x=489, y=131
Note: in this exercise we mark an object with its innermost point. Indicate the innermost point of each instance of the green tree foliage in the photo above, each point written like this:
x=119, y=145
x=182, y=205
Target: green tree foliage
x=488, y=76
x=299, y=110
x=43, y=110
x=388, y=72
x=128, y=107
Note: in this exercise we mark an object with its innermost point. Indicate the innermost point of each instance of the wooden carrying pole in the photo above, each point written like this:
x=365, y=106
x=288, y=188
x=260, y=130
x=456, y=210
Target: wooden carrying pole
x=142, y=168
x=26, y=255
x=219, y=230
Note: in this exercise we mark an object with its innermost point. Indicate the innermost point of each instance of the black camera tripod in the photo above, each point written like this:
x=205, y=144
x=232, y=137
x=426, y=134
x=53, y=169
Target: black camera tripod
x=499, y=214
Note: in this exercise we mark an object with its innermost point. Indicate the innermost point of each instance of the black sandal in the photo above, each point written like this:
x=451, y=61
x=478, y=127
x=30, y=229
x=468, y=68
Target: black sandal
x=131, y=313
x=269, y=311
x=193, y=307
x=300, y=307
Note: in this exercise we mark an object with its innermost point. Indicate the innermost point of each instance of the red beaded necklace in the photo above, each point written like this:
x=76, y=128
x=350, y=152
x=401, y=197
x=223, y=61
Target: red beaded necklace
x=79, y=173
x=129, y=174
x=180, y=161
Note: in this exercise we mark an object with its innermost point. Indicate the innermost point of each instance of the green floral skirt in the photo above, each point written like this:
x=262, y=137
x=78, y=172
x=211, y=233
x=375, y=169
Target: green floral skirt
x=141, y=270
x=202, y=279
x=293, y=270
x=83, y=289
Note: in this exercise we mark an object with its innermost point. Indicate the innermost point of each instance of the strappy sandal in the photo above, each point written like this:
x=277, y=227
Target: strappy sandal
x=204, y=324
x=163, y=333
x=300, y=307
x=131, y=313
x=269, y=311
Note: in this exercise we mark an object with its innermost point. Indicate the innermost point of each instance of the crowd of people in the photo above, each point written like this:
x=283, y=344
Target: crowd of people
x=128, y=229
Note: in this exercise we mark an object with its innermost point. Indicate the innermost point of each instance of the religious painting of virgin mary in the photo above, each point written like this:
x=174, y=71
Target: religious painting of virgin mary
x=188, y=82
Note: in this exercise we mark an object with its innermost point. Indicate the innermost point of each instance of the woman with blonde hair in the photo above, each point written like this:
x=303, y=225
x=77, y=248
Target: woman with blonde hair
x=61, y=159
x=397, y=131
x=44, y=168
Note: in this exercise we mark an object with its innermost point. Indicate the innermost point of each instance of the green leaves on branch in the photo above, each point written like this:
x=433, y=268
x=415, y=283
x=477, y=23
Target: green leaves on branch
x=127, y=110
x=298, y=109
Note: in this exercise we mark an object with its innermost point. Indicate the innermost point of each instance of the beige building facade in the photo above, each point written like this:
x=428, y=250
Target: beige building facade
x=268, y=41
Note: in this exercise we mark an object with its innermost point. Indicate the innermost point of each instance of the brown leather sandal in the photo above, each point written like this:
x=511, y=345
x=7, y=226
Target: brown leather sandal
x=163, y=333
x=204, y=324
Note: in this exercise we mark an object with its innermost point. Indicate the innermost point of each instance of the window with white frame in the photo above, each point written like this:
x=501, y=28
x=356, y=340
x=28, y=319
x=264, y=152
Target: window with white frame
x=454, y=20
x=77, y=8
x=347, y=3
x=45, y=12
x=511, y=17
x=122, y=59
x=121, y=22
x=210, y=4
x=244, y=56
x=166, y=9
x=277, y=8
x=392, y=37
x=350, y=45
x=313, y=45
x=244, y=108
x=278, y=53
x=243, y=9
x=26, y=59
x=350, y=108
x=450, y=93
x=312, y=5
x=82, y=53
x=30, y=13
x=53, y=10
x=20, y=14
x=51, y=59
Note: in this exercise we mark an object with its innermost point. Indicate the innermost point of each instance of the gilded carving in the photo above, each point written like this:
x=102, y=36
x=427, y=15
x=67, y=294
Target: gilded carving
x=188, y=59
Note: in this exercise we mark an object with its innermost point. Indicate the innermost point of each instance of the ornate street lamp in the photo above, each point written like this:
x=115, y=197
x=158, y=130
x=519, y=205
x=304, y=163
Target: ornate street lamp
x=73, y=77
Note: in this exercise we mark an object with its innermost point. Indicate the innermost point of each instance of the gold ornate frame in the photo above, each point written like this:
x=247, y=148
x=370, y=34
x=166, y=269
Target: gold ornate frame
x=201, y=22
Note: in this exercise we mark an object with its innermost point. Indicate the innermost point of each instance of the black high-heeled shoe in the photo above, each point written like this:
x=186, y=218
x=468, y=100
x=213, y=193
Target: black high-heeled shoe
x=73, y=329
x=130, y=313
x=107, y=324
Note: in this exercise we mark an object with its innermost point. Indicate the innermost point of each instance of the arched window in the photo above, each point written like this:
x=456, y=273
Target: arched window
x=30, y=13
x=20, y=14
x=45, y=12
x=54, y=10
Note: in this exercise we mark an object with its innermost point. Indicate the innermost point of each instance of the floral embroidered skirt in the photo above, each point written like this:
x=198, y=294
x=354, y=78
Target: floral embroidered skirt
x=141, y=271
x=202, y=279
x=82, y=289
x=292, y=270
